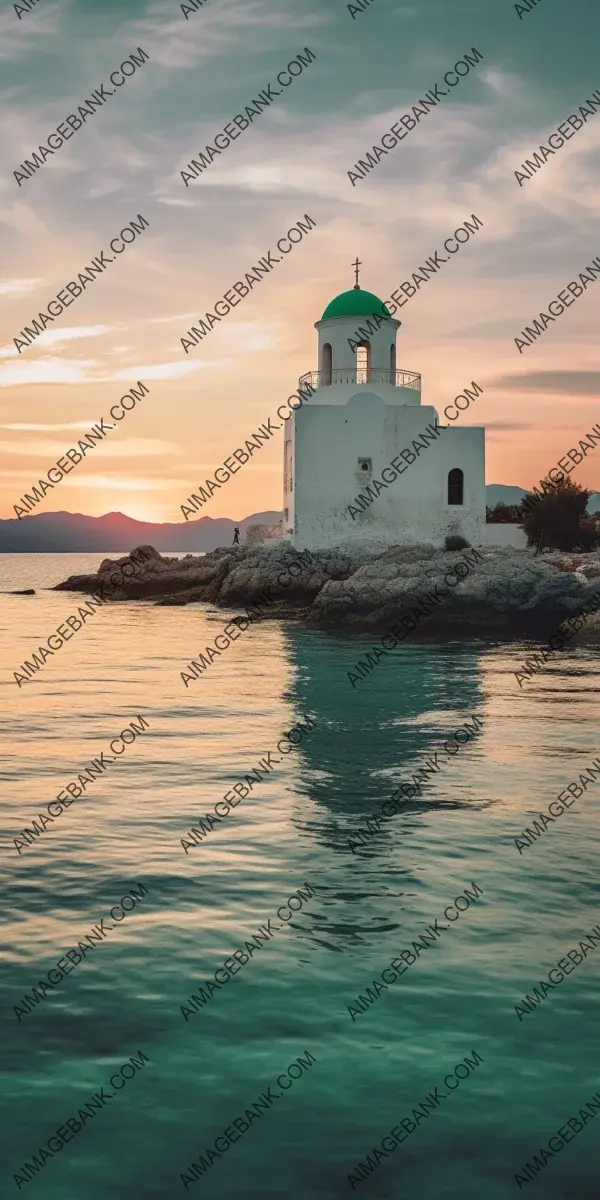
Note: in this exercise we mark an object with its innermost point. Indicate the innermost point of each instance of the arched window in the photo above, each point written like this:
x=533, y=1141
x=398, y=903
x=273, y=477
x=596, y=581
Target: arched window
x=326, y=363
x=455, y=486
x=393, y=363
x=363, y=362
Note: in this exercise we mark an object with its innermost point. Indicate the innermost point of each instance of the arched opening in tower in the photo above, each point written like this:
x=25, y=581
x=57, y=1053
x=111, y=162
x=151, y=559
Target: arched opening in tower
x=363, y=362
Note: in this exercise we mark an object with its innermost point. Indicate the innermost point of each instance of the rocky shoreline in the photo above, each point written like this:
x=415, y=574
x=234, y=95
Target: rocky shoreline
x=482, y=591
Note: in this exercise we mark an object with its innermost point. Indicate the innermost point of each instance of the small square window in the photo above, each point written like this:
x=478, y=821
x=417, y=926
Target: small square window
x=365, y=465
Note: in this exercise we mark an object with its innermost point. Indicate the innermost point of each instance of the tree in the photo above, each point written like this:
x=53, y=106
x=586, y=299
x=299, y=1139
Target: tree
x=503, y=514
x=589, y=533
x=552, y=521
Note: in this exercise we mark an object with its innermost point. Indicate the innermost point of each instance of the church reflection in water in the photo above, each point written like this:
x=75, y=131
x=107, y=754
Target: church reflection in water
x=370, y=738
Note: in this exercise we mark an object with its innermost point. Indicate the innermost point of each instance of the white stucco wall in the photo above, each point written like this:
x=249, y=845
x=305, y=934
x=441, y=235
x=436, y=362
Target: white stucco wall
x=256, y=534
x=329, y=438
x=338, y=395
x=505, y=535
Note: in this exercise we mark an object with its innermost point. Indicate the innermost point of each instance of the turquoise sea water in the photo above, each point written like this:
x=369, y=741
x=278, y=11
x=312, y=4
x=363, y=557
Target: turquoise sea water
x=293, y=995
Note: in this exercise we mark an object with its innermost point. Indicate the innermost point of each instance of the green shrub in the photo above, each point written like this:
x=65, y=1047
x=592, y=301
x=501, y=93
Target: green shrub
x=455, y=542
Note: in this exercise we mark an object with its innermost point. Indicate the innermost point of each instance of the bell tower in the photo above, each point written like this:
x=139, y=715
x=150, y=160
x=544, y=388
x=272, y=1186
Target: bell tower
x=357, y=339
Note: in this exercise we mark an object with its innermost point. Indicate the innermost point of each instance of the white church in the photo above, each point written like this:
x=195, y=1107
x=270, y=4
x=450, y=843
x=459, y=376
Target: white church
x=365, y=412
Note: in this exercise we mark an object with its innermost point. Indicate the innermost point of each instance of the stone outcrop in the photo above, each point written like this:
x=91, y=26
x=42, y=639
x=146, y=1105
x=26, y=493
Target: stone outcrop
x=505, y=589
x=256, y=534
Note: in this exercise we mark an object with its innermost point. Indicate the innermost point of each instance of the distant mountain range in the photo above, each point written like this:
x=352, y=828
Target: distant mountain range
x=75, y=533
x=503, y=493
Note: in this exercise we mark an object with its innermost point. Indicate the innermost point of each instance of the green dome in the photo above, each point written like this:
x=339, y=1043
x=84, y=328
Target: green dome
x=355, y=303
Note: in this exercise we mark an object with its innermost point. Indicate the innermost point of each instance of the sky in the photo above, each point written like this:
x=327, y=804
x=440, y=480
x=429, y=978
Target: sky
x=369, y=68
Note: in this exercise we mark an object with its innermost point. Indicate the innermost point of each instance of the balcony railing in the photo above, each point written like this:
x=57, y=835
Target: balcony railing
x=362, y=375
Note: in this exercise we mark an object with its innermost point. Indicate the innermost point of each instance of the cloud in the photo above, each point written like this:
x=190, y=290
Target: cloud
x=123, y=448
x=7, y=473
x=53, y=337
x=18, y=34
x=168, y=370
x=45, y=370
x=217, y=32
x=510, y=425
x=113, y=484
x=18, y=287
x=80, y=371
x=568, y=383
x=51, y=428
x=177, y=317
x=242, y=337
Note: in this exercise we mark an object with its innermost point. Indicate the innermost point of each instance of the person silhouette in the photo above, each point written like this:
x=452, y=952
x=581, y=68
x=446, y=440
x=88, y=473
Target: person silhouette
x=236, y=536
